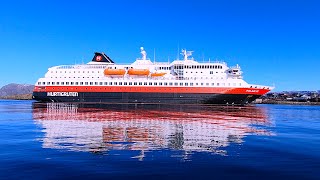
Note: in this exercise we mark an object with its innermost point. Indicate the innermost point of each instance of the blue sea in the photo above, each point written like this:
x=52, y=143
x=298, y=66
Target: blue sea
x=137, y=141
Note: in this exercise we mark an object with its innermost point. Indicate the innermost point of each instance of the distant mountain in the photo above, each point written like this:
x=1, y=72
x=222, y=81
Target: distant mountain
x=16, y=89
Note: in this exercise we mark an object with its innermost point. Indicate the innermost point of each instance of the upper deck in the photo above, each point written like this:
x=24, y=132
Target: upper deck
x=185, y=69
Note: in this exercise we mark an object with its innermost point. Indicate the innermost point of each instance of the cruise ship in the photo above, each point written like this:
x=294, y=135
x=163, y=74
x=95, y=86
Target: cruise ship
x=183, y=81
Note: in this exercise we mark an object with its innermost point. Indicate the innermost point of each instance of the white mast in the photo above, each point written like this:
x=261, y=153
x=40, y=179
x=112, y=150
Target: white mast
x=154, y=55
x=143, y=53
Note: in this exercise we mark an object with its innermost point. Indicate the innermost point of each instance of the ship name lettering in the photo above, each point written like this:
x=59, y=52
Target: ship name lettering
x=252, y=91
x=74, y=94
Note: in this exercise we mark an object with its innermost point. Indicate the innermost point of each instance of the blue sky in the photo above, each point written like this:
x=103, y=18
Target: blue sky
x=273, y=41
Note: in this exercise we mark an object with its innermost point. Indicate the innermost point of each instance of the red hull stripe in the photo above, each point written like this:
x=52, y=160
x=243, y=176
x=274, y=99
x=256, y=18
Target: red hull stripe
x=152, y=89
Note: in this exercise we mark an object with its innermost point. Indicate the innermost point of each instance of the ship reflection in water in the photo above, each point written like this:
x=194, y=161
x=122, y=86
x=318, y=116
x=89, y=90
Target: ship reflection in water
x=145, y=128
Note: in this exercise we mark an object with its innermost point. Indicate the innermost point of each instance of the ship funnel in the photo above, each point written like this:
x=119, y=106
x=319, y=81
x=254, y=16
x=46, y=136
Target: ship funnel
x=101, y=57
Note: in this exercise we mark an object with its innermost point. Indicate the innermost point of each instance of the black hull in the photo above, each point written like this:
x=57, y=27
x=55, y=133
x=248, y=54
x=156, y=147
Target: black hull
x=164, y=98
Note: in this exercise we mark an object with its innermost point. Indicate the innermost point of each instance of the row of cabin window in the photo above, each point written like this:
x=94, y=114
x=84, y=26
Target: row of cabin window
x=160, y=68
x=197, y=67
x=211, y=72
x=183, y=78
x=80, y=66
x=75, y=72
x=164, y=68
x=74, y=77
x=135, y=83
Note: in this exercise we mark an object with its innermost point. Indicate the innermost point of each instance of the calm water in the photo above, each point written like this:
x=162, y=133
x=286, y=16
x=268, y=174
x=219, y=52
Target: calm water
x=63, y=141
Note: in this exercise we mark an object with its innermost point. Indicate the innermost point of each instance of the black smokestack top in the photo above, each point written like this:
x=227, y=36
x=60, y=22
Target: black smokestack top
x=101, y=57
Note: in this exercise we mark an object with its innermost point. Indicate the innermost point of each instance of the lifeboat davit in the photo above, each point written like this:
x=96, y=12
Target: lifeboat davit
x=139, y=72
x=113, y=72
x=158, y=74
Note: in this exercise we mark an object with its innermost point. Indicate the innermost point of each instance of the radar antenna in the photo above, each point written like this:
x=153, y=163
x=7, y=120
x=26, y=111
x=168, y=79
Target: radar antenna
x=186, y=54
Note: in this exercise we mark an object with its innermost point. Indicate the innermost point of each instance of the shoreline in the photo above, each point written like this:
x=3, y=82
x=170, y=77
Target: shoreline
x=287, y=102
x=18, y=97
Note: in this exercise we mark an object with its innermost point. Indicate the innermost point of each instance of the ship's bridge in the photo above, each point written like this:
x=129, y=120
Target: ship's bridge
x=188, y=68
x=184, y=62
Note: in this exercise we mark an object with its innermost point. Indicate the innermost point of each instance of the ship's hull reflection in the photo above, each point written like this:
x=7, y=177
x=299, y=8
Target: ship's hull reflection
x=100, y=128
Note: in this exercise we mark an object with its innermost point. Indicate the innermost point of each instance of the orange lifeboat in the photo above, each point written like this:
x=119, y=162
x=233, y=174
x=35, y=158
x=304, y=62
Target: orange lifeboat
x=139, y=72
x=110, y=72
x=157, y=74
